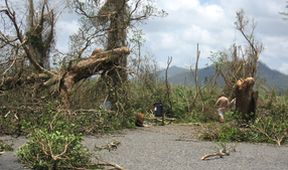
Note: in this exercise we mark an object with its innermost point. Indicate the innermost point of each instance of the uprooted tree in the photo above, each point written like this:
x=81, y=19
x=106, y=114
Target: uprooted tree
x=238, y=69
x=29, y=44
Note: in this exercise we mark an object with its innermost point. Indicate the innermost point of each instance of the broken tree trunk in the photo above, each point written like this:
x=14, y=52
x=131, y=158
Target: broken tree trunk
x=86, y=68
x=246, y=100
x=67, y=78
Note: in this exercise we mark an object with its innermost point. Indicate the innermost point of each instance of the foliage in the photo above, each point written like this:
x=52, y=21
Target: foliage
x=5, y=147
x=53, y=150
x=271, y=126
x=272, y=122
x=227, y=132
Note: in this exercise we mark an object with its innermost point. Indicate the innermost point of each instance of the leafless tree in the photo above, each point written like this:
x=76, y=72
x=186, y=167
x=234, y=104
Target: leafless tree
x=240, y=61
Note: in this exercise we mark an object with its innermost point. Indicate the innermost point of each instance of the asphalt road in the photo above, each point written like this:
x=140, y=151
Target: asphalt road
x=176, y=148
x=172, y=147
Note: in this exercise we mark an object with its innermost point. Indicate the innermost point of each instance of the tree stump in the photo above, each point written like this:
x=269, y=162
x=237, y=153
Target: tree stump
x=246, y=100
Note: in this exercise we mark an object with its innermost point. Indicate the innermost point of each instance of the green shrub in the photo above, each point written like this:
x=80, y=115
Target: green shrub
x=53, y=150
x=229, y=133
x=270, y=129
x=224, y=133
x=272, y=122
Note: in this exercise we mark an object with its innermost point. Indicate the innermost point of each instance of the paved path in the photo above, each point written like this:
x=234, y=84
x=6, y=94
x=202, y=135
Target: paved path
x=174, y=147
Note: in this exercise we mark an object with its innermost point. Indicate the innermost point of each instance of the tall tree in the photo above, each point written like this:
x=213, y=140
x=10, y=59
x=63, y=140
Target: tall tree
x=104, y=22
x=40, y=32
x=112, y=19
x=34, y=41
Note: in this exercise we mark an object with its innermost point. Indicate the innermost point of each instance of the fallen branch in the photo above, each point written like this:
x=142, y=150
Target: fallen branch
x=220, y=154
x=223, y=151
x=110, y=146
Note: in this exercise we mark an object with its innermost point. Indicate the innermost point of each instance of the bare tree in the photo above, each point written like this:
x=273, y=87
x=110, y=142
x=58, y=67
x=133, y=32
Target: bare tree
x=238, y=68
x=37, y=36
x=168, y=90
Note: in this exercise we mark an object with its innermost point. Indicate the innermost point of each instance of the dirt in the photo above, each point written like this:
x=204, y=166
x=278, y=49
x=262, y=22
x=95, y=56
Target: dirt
x=170, y=147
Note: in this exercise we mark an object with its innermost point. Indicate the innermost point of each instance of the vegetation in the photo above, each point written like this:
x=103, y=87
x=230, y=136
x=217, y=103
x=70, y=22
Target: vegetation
x=53, y=150
x=101, y=92
x=5, y=147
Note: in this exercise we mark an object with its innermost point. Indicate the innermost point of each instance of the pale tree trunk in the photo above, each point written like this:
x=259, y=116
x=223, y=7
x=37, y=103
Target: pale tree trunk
x=40, y=43
x=246, y=100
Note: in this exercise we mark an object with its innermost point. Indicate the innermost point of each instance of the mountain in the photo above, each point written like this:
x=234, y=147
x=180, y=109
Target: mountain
x=181, y=76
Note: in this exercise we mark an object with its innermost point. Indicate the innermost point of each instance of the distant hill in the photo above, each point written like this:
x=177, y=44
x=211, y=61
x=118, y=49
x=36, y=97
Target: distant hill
x=181, y=76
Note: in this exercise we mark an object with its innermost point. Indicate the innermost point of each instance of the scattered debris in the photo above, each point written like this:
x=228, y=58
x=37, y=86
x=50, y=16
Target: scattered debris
x=110, y=146
x=223, y=150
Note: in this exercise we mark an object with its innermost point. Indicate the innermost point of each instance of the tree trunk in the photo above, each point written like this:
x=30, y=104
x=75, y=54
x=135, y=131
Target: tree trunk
x=246, y=100
x=85, y=68
x=116, y=74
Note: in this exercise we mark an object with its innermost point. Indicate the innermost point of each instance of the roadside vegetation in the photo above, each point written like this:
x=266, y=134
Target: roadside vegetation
x=102, y=92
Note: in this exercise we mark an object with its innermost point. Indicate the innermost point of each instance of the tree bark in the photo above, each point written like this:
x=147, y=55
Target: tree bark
x=77, y=71
x=118, y=20
x=246, y=100
x=85, y=68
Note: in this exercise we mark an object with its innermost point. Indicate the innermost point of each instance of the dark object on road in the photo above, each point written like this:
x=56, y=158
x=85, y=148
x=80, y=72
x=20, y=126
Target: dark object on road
x=158, y=109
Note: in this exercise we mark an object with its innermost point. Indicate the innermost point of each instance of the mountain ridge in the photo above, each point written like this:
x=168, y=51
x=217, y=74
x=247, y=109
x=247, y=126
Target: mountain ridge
x=182, y=76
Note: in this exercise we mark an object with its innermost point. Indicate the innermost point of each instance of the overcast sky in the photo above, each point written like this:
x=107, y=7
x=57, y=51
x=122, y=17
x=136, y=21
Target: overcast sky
x=209, y=23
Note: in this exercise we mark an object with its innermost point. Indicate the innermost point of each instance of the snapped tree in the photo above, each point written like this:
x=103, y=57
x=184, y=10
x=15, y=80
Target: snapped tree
x=238, y=69
x=105, y=24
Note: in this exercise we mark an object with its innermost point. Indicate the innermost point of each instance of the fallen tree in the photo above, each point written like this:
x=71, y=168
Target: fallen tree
x=75, y=72
x=30, y=44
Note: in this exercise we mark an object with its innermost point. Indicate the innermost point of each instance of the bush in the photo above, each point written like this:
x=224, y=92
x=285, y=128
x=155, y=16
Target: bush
x=224, y=133
x=231, y=134
x=53, y=150
x=272, y=130
x=272, y=122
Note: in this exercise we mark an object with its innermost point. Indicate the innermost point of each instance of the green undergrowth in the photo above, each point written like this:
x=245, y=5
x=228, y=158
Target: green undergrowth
x=54, y=150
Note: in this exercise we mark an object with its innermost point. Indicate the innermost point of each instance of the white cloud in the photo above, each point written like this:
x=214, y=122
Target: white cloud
x=211, y=23
x=198, y=34
x=180, y=5
x=66, y=26
x=212, y=12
